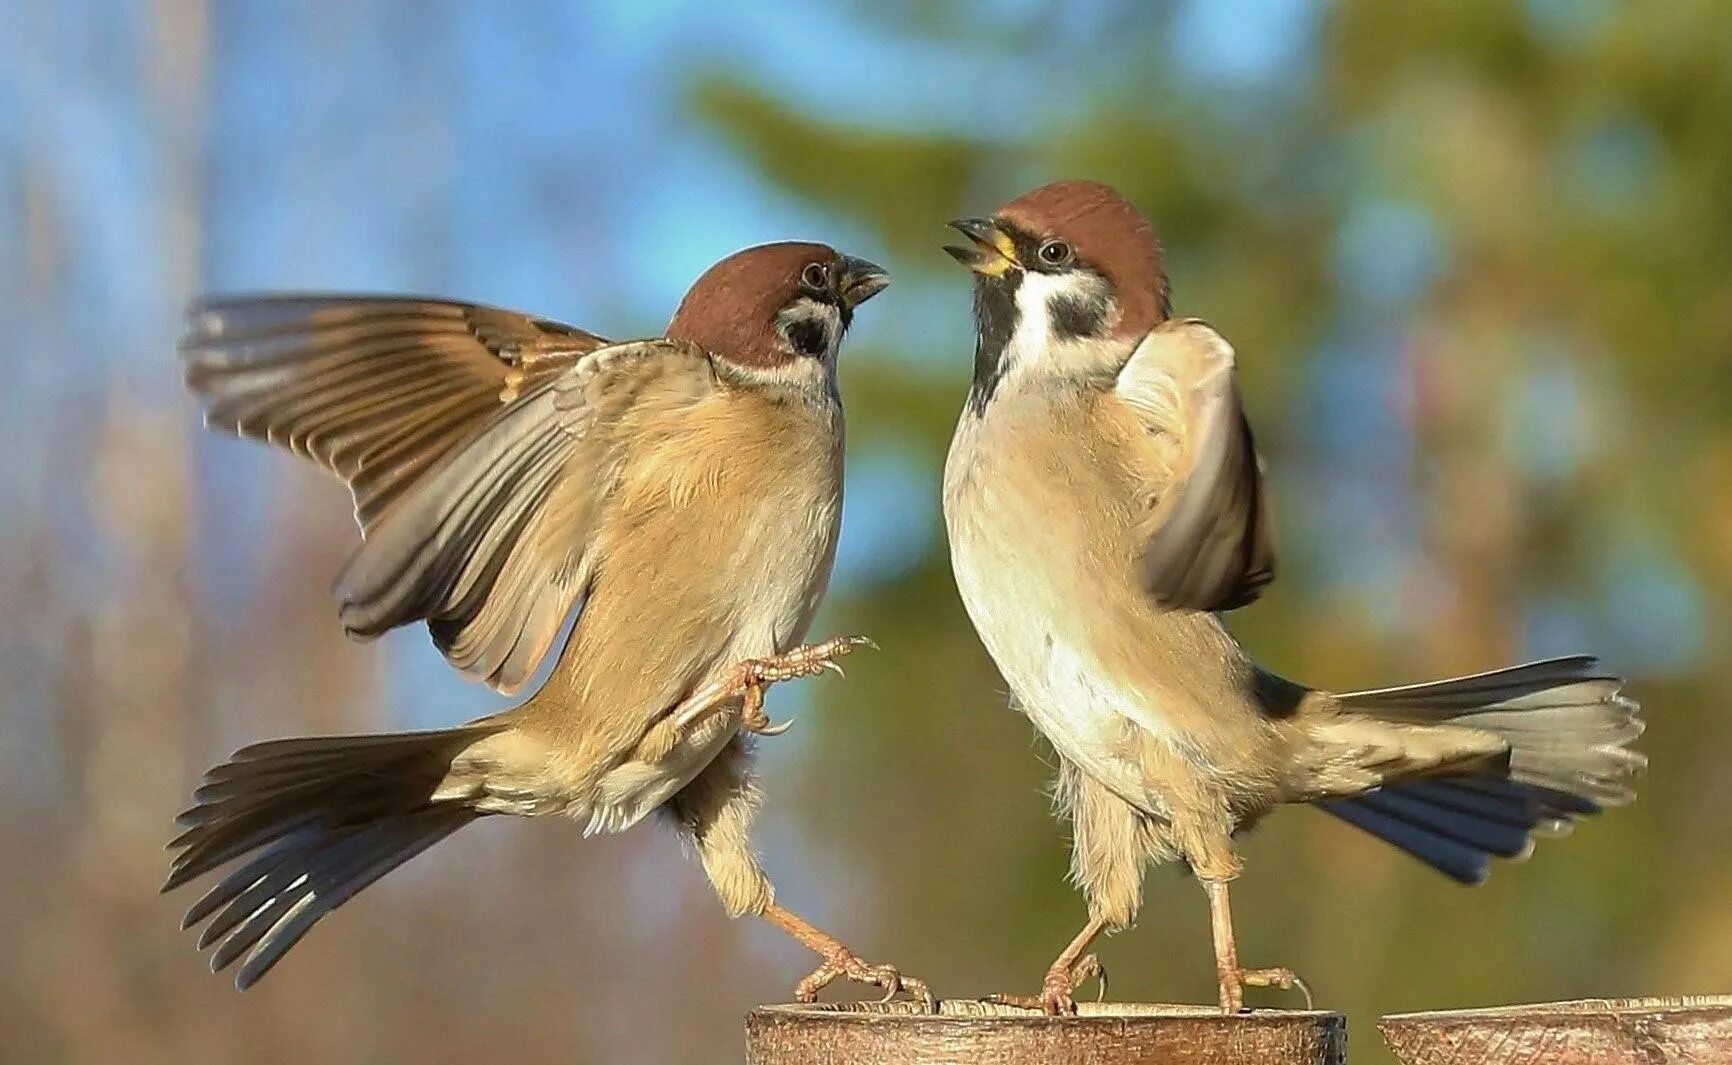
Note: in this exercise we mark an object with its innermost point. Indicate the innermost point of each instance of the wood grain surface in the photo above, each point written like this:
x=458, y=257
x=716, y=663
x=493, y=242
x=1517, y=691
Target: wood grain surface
x=980, y=1033
x=1648, y=1031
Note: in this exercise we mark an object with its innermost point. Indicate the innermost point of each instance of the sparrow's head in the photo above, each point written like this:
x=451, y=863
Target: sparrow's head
x=1065, y=277
x=776, y=305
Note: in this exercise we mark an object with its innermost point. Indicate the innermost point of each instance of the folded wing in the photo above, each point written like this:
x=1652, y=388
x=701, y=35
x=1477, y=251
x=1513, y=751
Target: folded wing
x=1206, y=539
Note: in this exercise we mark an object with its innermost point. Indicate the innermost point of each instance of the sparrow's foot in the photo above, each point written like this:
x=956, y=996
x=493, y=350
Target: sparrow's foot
x=749, y=680
x=1231, y=977
x=1233, y=986
x=840, y=962
x=1060, y=984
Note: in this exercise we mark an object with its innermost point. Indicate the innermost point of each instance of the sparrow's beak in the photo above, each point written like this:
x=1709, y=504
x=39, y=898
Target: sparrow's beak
x=993, y=254
x=860, y=281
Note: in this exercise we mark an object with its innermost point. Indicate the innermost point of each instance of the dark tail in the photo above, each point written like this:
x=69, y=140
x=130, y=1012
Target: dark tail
x=1568, y=727
x=319, y=818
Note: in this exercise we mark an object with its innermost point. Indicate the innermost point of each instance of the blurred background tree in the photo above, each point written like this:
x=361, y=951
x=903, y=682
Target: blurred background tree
x=1476, y=257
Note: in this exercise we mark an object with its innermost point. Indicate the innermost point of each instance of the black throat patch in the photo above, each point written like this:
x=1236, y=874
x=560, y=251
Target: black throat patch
x=995, y=318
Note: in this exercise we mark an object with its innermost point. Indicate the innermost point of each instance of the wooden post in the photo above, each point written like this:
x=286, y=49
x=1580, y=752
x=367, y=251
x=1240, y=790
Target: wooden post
x=967, y=1032
x=1643, y=1031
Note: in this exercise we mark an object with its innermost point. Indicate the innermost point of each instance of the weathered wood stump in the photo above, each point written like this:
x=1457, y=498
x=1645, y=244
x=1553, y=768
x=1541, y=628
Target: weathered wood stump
x=980, y=1033
x=1642, y=1031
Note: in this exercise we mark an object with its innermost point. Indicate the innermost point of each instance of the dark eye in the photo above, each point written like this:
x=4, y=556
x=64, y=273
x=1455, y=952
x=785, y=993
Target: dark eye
x=1055, y=253
x=816, y=277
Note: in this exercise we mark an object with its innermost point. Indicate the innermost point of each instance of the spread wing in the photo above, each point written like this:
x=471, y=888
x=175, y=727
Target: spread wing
x=491, y=546
x=1206, y=541
x=375, y=389
x=480, y=445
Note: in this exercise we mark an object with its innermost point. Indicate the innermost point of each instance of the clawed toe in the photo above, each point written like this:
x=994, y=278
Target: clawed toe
x=845, y=964
x=1233, y=986
x=748, y=681
x=1282, y=978
x=1057, y=990
x=759, y=673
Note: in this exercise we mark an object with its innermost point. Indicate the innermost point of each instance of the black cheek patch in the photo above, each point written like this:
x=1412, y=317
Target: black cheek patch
x=1076, y=317
x=808, y=337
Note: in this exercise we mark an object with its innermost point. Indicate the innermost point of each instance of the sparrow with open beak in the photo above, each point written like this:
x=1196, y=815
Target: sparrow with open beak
x=681, y=494
x=1104, y=500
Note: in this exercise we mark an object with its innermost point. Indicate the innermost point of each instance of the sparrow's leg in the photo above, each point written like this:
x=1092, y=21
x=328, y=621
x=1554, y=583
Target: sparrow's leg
x=748, y=680
x=1200, y=830
x=1112, y=843
x=717, y=809
x=1230, y=977
x=1069, y=971
x=839, y=961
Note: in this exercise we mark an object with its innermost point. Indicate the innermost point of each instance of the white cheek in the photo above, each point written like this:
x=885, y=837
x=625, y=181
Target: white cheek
x=1033, y=348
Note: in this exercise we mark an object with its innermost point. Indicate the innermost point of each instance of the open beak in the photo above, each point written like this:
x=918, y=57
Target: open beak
x=993, y=253
x=860, y=281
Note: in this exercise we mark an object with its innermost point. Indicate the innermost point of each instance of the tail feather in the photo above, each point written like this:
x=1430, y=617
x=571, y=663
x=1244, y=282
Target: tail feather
x=1566, y=726
x=1489, y=835
x=318, y=819
x=328, y=887
x=1538, y=810
x=1431, y=700
x=204, y=851
x=245, y=887
x=1554, y=805
x=1454, y=859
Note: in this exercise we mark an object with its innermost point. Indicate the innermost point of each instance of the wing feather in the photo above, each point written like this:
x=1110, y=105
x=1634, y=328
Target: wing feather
x=491, y=547
x=1206, y=541
x=373, y=388
x=479, y=444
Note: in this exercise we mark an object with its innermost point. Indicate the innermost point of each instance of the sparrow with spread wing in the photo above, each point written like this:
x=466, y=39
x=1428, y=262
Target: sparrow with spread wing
x=681, y=494
x=1104, y=502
